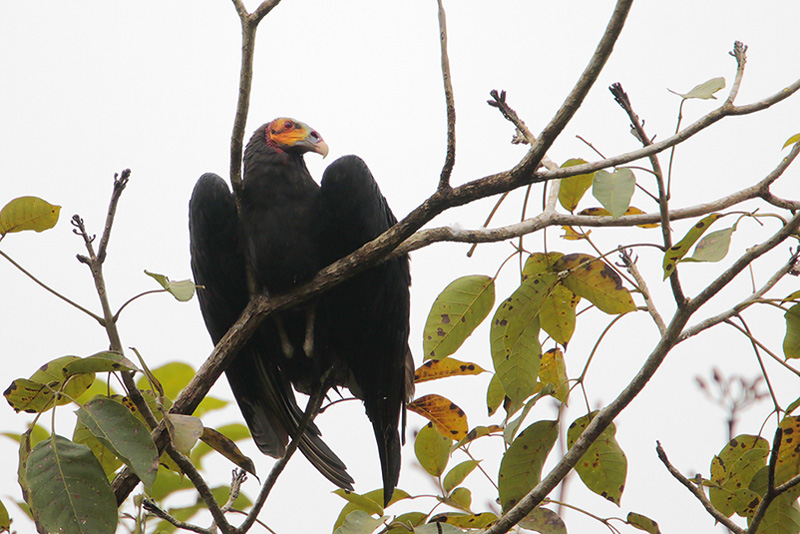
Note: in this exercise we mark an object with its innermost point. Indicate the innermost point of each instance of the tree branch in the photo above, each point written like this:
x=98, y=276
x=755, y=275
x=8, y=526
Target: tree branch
x=450, y=158
x=698, y=493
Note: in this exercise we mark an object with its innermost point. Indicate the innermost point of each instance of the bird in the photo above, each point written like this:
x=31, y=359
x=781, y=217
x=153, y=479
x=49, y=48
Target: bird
x=285, y=228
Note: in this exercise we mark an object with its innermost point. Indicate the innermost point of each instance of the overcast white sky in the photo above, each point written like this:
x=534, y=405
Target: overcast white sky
x=89, y=88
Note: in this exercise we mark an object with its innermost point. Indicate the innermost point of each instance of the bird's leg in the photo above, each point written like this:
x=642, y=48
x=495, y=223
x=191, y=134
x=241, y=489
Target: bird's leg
x=308, y=342
x=286, y=346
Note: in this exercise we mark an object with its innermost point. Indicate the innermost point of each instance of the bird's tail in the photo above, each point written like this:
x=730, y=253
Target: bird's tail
x=388, y=439
x=272, y=414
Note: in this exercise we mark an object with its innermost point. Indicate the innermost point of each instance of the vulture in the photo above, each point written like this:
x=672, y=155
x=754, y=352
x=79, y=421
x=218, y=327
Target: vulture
x=285, y=229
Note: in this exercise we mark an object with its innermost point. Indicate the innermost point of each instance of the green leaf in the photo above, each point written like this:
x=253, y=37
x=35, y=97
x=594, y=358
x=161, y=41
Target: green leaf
x=681, y=248
x=359, y=522
x=545, y=521
x=792, y=140
x=462, y=520
x=705, y=90
x=614, y=191
x=99, y=363
x=572, y=189
x=362, y=502
x=557, y=315
x=597, y=282
x=514, y=335
x=782, y=517
x=511, y=428
x=28, y=213
x=68, y=489
x=791, y=342
x=495, y=395
x=376, y=496
x=404, y=523
x=108, y=460
x=733, y=470
x=603, y=467
x=521, y=467
x=5, y=520
x=124, y=434
x=643, y=523
x=182, y=290
x=455, y=314
x=713, y=247
x=457, y=474
x=437, y=528
x=432, y=450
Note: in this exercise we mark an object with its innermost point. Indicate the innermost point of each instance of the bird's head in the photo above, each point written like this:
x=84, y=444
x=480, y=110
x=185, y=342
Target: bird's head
x=289, y=135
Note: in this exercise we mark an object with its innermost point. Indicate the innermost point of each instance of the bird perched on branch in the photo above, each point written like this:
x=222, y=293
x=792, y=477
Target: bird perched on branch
x=355, y=335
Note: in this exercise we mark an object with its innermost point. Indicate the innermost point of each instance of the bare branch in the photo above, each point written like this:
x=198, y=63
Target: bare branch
x=698, y=493
x=119, y=186
x=450, y=158
x=630, y=264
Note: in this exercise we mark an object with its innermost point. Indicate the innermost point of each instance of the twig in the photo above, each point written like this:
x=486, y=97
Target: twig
x=740, y=53
x=120, y=181
x=450, y=158
x=151, y=507
x=237, y=479
x=188, y=468
x=312, y=408
x=698, y=493
x=629, y=263
x=53, y=291
x=623, y=100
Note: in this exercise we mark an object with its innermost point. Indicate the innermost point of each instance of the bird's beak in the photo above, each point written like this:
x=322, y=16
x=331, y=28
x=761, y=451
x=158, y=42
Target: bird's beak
x=321, y=147
x=311, y=141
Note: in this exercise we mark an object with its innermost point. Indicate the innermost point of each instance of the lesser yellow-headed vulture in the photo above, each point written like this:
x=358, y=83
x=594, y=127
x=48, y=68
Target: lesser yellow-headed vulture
x=355, y=335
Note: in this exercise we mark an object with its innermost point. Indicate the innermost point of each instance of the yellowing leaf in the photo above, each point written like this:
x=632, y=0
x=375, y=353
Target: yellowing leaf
x=227, y=447
x=554, y=371
x=28, y=213
x=602, y=212
x=603, y=467
x=570, y=234
x=733, y=469
x=479, y=432
x=457, y=474
x=435, y=369
x=597, y=282
x=792, y=140
x=462, y=520
x=681, y=248
x=495, y=395
x=614, y=191
x=455, y=313
x=544, y=520
x=572, y=189
x=449, y=419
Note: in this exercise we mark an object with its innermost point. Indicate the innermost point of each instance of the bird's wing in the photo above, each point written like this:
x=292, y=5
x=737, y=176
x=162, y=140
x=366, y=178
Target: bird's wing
x=364, y=321
x=264, y=397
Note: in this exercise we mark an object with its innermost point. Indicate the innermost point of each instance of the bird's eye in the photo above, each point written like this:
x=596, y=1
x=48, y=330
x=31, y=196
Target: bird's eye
x=288, y=125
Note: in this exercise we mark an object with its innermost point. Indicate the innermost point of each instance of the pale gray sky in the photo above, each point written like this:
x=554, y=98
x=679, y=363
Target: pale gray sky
x=93, y=87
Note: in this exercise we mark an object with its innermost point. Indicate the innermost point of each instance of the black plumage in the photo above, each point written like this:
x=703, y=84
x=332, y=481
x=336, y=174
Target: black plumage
x=355, y=335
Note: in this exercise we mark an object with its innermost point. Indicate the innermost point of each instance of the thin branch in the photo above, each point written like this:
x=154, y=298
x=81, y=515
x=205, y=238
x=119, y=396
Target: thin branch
x=623, y=100
x=740, y=53
x=53, y=291
x=119, y=186
x=450, y=158
x=152, y=507
x=739, y=307
x=312, y=408
x=698, y=493
x=630, y=264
